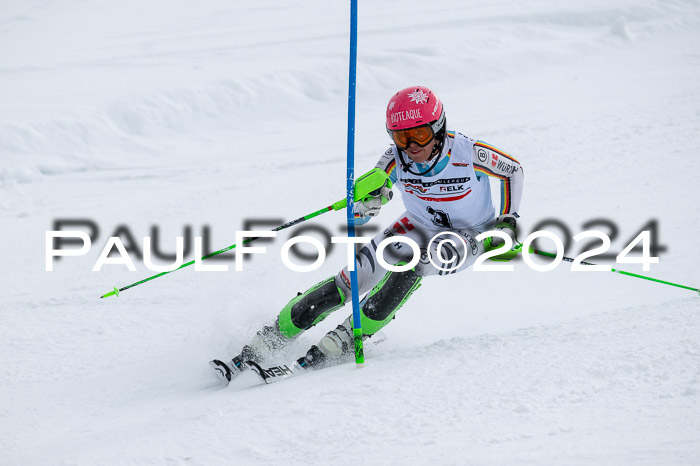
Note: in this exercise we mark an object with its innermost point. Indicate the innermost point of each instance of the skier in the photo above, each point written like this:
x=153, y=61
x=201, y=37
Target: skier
x=443, y=178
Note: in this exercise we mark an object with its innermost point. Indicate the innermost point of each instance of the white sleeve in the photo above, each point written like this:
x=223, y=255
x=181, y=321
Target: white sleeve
x=499, y=164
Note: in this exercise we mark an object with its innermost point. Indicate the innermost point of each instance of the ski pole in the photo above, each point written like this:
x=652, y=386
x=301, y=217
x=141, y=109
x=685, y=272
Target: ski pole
x=366, y=184
x=621, y=272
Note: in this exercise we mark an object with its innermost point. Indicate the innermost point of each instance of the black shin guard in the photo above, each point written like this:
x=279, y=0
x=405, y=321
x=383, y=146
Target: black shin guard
x=311, y=307
x=381, y=304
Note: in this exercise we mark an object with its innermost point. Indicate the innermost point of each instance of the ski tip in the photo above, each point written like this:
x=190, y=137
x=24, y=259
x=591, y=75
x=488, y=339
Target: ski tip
x=221, y=371
x=258, y=370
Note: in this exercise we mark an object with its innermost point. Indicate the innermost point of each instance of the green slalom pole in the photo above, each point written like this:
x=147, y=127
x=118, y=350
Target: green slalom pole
x=621, y=272
x=364, y=185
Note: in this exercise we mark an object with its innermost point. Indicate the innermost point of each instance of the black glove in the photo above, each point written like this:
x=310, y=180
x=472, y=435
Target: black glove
x=504, y=223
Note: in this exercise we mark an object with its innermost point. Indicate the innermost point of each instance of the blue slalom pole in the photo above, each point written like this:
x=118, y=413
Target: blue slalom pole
x=357, y=322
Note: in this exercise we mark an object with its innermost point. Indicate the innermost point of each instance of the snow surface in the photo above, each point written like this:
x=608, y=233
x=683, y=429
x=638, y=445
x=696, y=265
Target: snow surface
x=210, y=113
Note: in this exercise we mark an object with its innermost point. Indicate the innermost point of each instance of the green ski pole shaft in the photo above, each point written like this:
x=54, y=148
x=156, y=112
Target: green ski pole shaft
x=364, y=186
x=621, y=272
x=116, y=290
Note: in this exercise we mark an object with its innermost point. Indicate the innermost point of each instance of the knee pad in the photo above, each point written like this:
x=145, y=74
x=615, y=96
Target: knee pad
x=311, y=307
x=387, y=297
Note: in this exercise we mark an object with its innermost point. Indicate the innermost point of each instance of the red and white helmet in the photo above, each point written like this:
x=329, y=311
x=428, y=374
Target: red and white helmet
x=415, y=106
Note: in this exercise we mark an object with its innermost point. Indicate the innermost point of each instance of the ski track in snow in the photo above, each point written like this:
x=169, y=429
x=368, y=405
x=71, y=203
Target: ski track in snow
x=171, y=115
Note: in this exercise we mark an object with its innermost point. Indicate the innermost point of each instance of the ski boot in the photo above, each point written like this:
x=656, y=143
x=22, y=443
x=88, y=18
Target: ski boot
x=335, y=346
x=314, y=359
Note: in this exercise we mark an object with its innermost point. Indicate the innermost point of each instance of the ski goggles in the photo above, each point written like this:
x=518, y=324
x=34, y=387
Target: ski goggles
x=421, y=135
